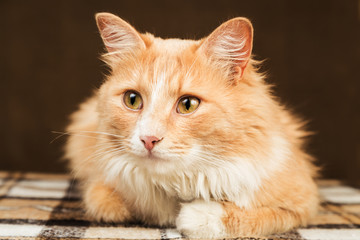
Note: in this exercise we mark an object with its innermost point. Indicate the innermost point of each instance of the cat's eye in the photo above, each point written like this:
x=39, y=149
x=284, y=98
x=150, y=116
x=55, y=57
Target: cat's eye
x=133, y=100
x=187, y=104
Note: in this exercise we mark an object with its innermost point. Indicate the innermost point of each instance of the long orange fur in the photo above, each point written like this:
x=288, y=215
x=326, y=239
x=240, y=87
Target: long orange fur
x=234, y=167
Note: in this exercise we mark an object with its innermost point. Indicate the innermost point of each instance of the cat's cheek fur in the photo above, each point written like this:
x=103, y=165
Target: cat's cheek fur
x=200, y=219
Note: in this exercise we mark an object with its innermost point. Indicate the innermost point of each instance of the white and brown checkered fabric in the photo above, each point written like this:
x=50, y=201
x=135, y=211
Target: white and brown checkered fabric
x=45, y=206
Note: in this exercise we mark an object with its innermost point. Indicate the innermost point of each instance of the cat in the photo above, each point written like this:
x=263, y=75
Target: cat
x=188, y=134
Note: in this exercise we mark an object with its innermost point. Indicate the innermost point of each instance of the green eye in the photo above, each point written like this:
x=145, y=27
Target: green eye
x=133, y=100
x=187, y=105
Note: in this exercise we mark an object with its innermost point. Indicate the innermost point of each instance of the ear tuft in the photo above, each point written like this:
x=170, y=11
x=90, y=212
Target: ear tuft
x=118, y=36
x=230, y=45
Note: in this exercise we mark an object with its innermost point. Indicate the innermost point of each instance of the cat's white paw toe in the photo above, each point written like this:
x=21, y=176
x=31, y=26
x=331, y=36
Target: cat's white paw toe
x=200, y=219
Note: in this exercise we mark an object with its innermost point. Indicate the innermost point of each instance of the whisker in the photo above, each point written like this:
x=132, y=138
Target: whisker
x=102, y=152
x=57, y=137
x=191, y=67
x=103, y=133
x=91, y=147
x=87, y=136
x=72, y=134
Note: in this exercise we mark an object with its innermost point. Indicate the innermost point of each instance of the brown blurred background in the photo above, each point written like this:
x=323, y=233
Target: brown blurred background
x=49, y=63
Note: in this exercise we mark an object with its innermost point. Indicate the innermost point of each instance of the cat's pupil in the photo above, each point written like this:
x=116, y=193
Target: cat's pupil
x=132, y=98
x=187, y=103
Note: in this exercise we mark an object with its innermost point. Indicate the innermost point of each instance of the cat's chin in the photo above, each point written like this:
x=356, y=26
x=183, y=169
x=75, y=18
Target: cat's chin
x=153, y=157
x=155, y=163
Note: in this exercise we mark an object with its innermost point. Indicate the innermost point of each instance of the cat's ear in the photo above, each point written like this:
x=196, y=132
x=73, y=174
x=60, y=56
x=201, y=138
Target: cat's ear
x=118, y=36
x=229, y=46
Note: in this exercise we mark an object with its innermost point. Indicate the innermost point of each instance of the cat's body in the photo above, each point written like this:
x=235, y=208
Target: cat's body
x=228, y=162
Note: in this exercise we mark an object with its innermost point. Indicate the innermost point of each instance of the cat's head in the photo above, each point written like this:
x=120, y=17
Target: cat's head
x=177, y=104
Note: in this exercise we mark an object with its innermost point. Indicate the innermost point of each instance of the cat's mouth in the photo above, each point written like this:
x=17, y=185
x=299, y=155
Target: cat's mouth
x=150, y=156
x=153, y=156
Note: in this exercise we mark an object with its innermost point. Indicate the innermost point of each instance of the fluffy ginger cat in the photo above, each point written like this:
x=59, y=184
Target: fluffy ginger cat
x=187, y=134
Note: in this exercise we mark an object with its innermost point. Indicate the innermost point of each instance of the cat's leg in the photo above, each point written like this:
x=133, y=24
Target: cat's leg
x=103, y=203
x=200, y=219
x=261, y=221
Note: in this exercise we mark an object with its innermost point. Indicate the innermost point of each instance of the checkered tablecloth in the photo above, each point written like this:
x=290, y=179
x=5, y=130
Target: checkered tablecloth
x=44, y=206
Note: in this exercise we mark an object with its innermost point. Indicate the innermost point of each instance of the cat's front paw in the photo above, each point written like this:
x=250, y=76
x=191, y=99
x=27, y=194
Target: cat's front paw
x=105, y=204
x=200, y=219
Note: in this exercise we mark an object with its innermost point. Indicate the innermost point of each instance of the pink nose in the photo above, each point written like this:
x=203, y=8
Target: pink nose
x=149, y=141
